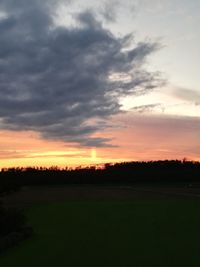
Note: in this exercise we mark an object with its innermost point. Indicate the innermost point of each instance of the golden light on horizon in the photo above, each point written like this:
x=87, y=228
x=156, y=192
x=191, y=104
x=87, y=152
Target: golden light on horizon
x=93, y=154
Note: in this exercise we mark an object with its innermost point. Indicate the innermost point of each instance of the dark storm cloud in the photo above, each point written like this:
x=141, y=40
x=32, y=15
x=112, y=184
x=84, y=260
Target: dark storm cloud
x=56, y=80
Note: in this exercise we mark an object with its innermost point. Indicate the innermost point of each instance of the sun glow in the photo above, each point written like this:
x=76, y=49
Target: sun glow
x=93, y=154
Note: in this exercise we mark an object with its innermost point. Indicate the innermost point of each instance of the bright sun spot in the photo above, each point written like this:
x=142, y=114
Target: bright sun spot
x=93, y=154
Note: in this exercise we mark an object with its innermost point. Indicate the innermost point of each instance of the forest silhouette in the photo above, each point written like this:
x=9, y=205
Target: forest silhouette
x=164, y=171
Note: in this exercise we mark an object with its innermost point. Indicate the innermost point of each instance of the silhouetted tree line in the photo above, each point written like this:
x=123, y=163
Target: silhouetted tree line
x=119, y=173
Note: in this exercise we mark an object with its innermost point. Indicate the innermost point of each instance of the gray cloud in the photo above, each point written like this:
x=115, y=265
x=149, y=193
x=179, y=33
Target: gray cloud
x=56, y=80
x=109, y=10
x=187, y=95
x=147, y=108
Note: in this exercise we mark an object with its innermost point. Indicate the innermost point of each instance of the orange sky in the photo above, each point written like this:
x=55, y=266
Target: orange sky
x=138, y=137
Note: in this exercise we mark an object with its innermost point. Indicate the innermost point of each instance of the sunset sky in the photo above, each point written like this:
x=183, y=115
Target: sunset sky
x=89, y=82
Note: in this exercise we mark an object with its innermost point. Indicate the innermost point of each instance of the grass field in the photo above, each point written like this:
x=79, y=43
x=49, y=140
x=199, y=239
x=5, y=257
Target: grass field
x=111, y=233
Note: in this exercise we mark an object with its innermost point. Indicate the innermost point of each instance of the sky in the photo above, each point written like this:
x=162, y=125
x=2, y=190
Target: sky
x=89, y=82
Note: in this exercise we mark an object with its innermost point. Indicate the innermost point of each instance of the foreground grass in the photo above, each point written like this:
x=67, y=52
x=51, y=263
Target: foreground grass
x=94, y=234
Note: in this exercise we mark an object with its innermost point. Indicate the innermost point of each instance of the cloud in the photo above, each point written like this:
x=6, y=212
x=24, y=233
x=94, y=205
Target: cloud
x=60, y=155
x=14, y=154
x=56, y=80
x=150, y=136
x=11, y=154
x=187, y=95
x=147, y=108
x=109, y=10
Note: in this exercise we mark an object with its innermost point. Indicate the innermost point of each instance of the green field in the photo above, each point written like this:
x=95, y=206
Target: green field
x=104, y=233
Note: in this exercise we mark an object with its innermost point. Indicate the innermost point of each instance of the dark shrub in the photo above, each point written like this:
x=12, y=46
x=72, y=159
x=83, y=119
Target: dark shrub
x=11, y=220
x=10, y=240
x=27, y=231
x=12, y=228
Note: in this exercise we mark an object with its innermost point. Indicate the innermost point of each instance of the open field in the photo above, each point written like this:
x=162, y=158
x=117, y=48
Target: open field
x=130, y=233
x=108, y=226
x=29, y=196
